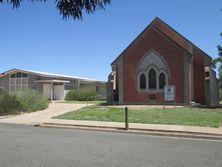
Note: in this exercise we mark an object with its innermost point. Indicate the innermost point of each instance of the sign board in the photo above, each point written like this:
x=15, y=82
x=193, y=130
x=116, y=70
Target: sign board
x=169, y=93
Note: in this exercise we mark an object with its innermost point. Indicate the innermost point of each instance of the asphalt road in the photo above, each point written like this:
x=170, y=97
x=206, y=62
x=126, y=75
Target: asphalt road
x=27, y=146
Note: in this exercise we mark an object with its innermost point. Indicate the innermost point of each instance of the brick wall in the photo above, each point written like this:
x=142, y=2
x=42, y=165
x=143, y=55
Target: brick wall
x=199, y=77
x=174, y=36
x=172, y=54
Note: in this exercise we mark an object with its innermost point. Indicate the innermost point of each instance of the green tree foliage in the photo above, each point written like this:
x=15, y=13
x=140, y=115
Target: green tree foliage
x=70, y=8
x=218, y=61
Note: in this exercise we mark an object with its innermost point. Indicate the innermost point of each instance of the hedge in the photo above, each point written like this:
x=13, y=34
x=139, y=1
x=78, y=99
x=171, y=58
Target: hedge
x=80, y=95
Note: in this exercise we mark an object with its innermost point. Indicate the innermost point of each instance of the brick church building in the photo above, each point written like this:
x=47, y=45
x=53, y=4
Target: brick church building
x=161, y=56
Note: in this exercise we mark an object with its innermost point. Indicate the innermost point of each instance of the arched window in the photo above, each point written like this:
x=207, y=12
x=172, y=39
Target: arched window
x=142, y=81
x=152, y=79
x=162, y=81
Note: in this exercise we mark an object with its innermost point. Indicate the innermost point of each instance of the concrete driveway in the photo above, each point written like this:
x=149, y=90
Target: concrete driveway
x=39, y=117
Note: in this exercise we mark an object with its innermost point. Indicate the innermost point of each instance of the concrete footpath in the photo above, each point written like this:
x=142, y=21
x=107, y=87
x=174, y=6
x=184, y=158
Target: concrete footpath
x=155, y=129
x=42, y=116
x=44, y=119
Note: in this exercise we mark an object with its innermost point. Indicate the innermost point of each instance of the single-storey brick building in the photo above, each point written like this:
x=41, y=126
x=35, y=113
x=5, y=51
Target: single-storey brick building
x=53, y=86
x=161, y=56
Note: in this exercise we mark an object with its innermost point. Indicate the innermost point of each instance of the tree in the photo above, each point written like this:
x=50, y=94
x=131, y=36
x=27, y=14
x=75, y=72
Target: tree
x=70, y=8
x=218, y=61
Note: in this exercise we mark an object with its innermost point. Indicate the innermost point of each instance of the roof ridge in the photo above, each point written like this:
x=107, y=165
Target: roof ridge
x=187, y=40
x=138, y=36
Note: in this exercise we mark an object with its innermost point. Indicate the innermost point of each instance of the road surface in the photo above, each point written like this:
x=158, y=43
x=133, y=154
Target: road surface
x=25, y=146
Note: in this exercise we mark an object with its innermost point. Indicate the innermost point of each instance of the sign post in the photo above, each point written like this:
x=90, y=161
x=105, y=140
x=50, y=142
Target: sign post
x=170, y=94
x=126, y=119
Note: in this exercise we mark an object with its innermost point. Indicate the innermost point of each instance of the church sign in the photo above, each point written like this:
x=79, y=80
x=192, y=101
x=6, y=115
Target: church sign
x=169, y=93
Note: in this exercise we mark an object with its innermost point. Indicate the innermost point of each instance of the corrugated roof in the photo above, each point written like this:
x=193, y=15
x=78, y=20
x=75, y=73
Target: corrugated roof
x=46, y=74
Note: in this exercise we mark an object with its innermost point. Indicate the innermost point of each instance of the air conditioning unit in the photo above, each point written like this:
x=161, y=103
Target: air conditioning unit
x=207, y=73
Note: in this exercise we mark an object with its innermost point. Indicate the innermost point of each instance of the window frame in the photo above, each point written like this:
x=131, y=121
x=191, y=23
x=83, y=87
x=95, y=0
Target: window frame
x=149, y=78
x=158, y=73
x=18, y=82
x=161, y=73
x=143, y=74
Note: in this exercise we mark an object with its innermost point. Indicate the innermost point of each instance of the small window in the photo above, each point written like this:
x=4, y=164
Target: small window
x=25, y=80
x=13, y=81
x=142, y=81
x=13, y=76
x=24, y=75
x=18, y=81
x=18, y=75
x=162, y=81
x=152, y=79
x=97, y=89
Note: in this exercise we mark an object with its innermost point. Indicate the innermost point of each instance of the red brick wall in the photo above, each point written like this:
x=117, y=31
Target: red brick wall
x=173, y=35
x=199, y=88
x=172, y=54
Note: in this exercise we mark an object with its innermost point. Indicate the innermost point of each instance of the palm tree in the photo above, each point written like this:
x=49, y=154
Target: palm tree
x=71, y=8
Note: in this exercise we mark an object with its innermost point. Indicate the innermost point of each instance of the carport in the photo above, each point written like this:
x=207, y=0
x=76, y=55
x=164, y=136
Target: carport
x=53, y=89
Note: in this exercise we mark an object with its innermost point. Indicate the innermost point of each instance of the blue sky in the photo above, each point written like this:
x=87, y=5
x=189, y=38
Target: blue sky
x=35, y=36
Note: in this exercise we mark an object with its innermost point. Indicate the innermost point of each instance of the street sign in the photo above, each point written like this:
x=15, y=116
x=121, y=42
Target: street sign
x=169, y=93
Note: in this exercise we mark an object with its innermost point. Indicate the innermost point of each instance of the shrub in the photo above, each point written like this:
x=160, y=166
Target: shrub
x=31, y=100
x=80, y=95
x=9, y=104
x=2, y=93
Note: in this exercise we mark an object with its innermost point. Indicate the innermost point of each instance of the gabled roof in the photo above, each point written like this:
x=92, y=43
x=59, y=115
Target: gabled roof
x=50, y=75
x=168, y=31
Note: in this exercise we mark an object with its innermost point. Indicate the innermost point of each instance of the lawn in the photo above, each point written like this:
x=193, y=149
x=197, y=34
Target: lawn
x=179, y=116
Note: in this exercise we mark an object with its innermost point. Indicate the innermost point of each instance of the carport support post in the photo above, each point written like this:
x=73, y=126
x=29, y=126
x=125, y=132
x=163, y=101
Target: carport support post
x=51, y=91
x=126, y=119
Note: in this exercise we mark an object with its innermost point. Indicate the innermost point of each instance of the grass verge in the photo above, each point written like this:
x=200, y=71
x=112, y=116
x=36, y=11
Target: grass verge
x=179, y=116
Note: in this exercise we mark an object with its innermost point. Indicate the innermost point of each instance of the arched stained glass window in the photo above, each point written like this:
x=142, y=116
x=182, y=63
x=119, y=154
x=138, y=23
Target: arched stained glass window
x=142, y=81
x=162, y=81
x=152, y=79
